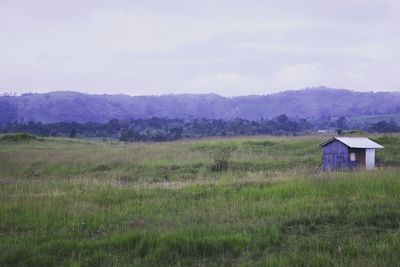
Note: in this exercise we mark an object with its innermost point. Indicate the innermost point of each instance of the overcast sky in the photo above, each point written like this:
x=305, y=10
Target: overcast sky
x=226, y=47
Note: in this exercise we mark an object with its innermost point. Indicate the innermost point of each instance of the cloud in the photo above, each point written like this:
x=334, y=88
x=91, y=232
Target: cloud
x=300, y=75
x=221, y=83
x=231, y=47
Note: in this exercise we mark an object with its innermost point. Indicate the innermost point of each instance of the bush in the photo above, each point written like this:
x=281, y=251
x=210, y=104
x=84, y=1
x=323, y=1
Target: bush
x=101, y=168
x=221, y=158
x=18, y=137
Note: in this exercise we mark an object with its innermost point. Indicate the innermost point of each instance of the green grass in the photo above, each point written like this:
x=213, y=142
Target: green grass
x=80, y=203
x=18, y=137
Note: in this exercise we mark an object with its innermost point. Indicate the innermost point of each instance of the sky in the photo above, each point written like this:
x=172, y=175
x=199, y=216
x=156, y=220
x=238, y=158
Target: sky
x=226, y=47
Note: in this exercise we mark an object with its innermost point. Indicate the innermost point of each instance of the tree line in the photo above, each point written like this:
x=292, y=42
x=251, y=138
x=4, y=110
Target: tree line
x=167, y=129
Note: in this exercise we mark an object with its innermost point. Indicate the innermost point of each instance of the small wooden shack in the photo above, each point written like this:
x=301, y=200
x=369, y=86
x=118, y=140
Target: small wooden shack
x=346, y=153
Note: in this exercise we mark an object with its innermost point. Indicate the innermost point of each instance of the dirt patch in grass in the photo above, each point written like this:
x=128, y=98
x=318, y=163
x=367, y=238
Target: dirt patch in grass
x=139, y=223
x=7, y=181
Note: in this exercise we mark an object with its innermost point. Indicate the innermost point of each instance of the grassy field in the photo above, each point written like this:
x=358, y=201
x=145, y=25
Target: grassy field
x=69, y=202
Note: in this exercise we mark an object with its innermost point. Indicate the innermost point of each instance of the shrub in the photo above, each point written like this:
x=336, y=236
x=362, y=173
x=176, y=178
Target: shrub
x=18, y=137
x=101, y=168
x=221, y=158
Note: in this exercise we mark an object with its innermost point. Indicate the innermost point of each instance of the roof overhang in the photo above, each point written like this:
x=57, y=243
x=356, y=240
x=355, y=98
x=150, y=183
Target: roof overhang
x=327, y=141
x=354, y=142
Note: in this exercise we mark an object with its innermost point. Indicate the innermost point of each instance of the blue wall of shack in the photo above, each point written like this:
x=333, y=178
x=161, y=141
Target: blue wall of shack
x=335, y=156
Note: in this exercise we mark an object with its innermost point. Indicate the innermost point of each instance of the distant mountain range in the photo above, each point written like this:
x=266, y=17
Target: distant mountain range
x=311, y=102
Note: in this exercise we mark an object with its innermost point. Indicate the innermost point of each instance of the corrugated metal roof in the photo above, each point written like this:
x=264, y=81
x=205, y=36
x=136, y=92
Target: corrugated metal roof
x=354, y=142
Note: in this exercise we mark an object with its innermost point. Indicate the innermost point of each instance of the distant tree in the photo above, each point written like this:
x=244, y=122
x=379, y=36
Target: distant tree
x=341, y=123
x=73, y=133
x=283, y=118
x=53, y=133
x=175, y=133
x=115, y=124
x=128, y=135
x=384, y=127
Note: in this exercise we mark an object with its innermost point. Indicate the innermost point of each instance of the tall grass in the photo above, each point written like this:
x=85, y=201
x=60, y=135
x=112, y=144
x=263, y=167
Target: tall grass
x=80, y=203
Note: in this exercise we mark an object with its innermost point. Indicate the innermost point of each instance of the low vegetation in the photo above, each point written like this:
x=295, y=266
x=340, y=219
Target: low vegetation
x=18, y=137
x=249, y=201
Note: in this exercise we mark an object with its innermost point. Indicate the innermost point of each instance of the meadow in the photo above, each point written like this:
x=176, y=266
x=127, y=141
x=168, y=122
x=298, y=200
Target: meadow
x=245, y=201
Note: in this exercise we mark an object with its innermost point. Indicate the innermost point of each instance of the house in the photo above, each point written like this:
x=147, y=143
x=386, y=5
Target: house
x=346, y=153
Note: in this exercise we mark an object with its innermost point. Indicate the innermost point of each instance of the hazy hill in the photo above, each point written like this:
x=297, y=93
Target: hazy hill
x=79, y=107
